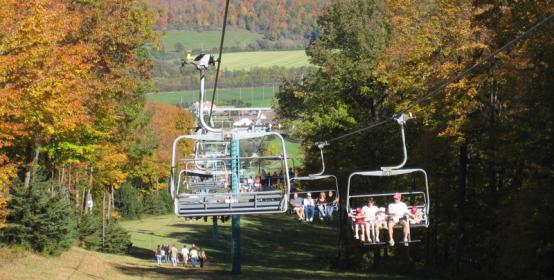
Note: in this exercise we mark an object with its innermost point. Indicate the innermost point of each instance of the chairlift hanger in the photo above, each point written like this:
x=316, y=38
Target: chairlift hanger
x=319, y=175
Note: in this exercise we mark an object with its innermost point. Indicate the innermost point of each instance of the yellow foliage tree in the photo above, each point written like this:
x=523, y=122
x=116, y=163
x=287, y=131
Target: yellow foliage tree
x=431, y=42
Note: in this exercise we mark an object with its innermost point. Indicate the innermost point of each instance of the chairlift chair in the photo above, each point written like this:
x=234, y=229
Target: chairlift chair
x=189, y=202
x=423, y=205
x=319, y=177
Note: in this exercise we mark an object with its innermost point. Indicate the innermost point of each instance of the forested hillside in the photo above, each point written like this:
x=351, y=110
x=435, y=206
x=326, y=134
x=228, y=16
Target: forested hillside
x=276, y=19
x=485, y=139
x=74, y=126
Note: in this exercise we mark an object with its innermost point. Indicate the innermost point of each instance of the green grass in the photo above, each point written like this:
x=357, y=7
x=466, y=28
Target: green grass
x=256, y=96
x=248, y=60
x=208, y=39
x=273, y=246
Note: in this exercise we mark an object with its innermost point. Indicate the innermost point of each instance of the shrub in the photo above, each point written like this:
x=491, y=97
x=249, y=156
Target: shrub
x=128, y=201
x=40, y=220
x=89, y=231
x=117, y=239
x=157, y=203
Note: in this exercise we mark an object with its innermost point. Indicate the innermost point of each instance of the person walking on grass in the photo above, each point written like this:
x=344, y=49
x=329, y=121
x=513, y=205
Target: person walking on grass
x=174, y=253
x=202, y=257
x=159, y=255
x=193, y=255
x=163, y=255
x=185, y=252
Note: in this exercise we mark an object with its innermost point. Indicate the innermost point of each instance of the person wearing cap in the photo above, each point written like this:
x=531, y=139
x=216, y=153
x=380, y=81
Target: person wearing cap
x=309, y=205
x=397, y=215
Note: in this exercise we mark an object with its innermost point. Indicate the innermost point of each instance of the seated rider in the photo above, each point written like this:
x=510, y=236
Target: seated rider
x=398, y=212
x=309, y=205
x=370, y=217
x=332, y=202
x=297, y=204
x=417, y=215
x=359, y=223
x=321, y=203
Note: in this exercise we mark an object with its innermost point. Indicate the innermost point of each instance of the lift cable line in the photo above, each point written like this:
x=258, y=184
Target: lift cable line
x=445, y=84
x=219, y=57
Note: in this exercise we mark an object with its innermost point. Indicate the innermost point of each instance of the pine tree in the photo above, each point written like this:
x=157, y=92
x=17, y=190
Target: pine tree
x=39, y=220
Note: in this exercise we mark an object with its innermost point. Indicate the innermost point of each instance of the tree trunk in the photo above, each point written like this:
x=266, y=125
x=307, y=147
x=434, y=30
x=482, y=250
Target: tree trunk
x=460, y=211
x=103, y=219
x=31, y=172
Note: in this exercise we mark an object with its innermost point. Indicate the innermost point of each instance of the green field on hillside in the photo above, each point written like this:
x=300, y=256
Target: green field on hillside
x=208, y=39
x=248, y=60
x=256, y=96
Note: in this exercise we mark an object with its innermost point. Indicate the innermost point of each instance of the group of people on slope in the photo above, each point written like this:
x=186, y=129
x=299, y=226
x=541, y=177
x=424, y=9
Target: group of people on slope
x=305, y=208
x=194, y=254
x=371, y=218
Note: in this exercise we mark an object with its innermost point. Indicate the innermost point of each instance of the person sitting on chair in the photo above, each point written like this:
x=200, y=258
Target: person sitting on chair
x=321, y=203
x=397, y=215
x=332, y=202
x=309, y=205
x=359, y=223
x=297, y=205
x=417, y=215
x=370, y=217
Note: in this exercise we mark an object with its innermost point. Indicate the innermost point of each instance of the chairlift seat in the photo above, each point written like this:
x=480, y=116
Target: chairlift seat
x=190, y=205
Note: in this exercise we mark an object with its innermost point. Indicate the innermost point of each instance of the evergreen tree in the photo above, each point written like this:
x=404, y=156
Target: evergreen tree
x=40, y=220
x=117, y=239
x=89, y=230
x=128, y=201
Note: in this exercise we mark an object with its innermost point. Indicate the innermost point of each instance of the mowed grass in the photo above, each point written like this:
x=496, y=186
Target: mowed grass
x=273, y=246
x=256, y=96
x=208, y=39
x=249, y=60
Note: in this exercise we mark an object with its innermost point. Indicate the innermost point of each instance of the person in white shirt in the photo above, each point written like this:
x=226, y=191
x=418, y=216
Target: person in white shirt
x=185, y=252
x=397, y=215
x=309, y=206
x=370, y=215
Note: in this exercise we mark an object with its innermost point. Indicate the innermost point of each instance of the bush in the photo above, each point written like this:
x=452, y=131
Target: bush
x=89, y=231
x=128, y=201
x=117, y=239
x=39, y=220
x=157, y=203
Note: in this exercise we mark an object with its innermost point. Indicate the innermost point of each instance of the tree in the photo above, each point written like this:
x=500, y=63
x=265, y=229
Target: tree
x=39, y=220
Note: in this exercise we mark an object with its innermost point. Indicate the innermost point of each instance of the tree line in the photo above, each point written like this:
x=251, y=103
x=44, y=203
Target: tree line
x=485, y=139
x=275, y=19
x=74, y=122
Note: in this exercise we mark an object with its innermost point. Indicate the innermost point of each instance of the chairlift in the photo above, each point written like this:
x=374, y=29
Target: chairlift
x=213, y=151
x=420, y=198
x=320, y=176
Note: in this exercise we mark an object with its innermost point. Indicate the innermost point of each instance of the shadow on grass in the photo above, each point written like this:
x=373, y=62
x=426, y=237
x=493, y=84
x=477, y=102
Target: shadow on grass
x=219, y=272
x=141, y=253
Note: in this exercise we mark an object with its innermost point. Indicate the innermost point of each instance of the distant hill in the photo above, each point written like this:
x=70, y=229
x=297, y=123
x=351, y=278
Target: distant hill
x=275, y=19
